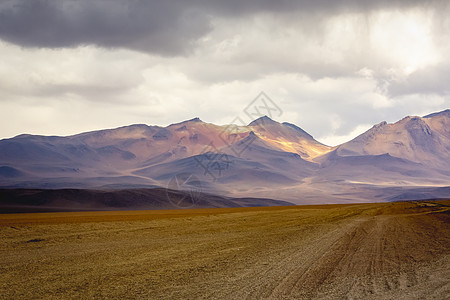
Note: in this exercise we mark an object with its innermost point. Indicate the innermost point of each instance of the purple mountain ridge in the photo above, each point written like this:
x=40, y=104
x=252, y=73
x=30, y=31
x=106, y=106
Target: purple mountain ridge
x=264, y=159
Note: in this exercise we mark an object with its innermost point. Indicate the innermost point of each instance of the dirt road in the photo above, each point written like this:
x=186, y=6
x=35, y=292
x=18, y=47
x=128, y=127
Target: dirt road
x=371, y=251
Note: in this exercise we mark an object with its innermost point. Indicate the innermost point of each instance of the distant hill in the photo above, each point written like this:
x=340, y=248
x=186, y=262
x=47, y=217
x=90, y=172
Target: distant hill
x=44, y=200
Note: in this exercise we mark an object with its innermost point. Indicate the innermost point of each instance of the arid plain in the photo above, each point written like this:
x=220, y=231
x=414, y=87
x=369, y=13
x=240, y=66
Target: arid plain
x=384, y=250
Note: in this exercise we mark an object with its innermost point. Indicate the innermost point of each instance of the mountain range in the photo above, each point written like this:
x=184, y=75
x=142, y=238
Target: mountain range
x=409, y=159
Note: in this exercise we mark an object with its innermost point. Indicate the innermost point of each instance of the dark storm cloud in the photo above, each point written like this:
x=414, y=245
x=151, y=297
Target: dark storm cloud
x=168, y=27
x=153, y=26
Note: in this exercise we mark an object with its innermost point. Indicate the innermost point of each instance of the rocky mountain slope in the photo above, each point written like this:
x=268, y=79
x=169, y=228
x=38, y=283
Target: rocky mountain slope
x=263, y=159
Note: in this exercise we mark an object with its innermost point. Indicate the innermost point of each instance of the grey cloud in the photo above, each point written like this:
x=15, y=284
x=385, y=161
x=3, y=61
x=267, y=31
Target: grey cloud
x=239, y=7
x=153, y=26
x=431, y=80
x=168, y=27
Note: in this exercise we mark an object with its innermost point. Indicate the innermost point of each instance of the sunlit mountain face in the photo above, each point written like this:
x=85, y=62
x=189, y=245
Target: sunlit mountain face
x=263, y=159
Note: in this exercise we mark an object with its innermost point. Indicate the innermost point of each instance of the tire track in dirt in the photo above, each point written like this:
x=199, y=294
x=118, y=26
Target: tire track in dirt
x=293, y=264
x=363, y=257
x=380, y=256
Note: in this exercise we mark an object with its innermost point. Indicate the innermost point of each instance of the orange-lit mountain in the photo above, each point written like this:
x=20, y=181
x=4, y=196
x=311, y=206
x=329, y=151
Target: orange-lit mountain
x=288, y=137
x=263, y=159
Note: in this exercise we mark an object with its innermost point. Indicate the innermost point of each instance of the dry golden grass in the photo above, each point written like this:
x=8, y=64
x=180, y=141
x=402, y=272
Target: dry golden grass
x=388, y=250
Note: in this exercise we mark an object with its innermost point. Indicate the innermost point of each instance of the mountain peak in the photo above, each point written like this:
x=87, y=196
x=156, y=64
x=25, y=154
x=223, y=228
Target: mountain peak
x=441, y=113
x=381, y=124
x=194, y=120
x=264, y=120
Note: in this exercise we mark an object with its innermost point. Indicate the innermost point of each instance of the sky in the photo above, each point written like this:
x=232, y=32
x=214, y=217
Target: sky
x=333, y=67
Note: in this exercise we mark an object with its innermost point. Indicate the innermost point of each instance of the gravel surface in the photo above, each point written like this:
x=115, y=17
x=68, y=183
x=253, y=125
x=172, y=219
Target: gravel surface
x=372, y=251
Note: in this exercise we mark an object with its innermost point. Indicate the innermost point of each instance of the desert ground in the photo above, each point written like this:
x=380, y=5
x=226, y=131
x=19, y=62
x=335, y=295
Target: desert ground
x=373, y=251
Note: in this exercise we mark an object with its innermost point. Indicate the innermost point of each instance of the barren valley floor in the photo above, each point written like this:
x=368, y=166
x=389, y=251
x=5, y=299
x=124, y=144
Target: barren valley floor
x=384, y=250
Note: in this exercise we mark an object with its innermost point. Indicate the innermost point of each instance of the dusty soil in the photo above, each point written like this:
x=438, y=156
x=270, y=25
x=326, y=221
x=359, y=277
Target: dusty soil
x=371, y=251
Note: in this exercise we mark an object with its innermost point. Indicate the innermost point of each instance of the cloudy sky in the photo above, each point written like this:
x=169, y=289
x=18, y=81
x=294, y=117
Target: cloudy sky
x=334, y=67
